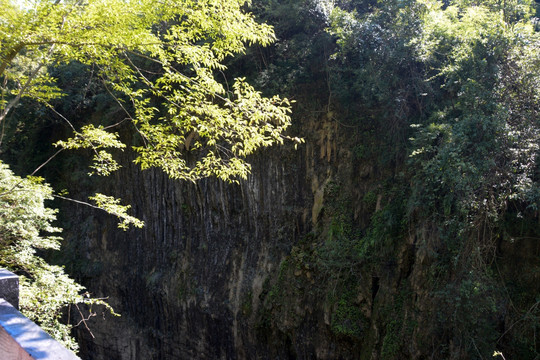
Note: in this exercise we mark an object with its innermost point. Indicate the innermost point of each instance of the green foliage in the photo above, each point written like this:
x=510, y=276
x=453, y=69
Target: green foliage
x=298, y=58
x=162, y=63
x=164, y=67
x=399, y=324
x=475, y=155
x=96, y=139
x=339, y=255
x=455, y=86
x=26, y=229
x=471, y=306
x=374, y=75
x=347, y=319
x=112, y=206
x=24, y=215
x=240, y=125
x=392, y=339
x=478, y=151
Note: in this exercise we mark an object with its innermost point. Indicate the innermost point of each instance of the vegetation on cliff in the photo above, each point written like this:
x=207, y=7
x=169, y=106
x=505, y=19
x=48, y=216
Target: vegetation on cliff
x=448, y=93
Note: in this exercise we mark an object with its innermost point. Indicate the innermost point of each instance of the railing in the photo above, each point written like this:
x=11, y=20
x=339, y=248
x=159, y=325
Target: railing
x=20, y=338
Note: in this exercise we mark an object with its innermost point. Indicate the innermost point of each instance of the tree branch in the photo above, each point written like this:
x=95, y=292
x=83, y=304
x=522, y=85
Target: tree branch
x=9, y=58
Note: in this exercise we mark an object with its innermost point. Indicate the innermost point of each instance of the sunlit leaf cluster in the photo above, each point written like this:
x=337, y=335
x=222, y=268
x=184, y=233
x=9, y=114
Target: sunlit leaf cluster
x=165, y=63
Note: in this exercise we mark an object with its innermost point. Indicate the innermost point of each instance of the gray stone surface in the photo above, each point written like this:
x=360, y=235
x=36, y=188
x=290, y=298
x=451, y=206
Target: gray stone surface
x=20, y=338
x=9, y=287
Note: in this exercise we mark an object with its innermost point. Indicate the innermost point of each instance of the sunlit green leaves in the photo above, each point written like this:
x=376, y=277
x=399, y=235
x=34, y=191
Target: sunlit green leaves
x=93, y=138
x=112, y=206
x=218, y=128
x=25, y=227
x=166, y=58
x=96, y=139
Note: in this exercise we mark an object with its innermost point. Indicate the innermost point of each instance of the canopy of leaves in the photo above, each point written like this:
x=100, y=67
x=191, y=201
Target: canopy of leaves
x=163, y=62
x=478, y=150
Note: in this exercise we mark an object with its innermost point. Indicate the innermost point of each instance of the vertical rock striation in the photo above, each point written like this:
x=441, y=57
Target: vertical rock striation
x=188, y=284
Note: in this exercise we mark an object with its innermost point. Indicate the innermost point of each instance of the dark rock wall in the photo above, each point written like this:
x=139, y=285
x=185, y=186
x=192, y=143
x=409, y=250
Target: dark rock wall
x=188, y=284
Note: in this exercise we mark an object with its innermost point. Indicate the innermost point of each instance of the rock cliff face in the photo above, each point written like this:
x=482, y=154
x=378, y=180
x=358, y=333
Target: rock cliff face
x=188, y=285
x=278, y=266
x=195, y=281
x=325, y=252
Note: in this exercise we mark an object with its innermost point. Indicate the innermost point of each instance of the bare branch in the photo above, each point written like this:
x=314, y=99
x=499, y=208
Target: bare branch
x=32, y=174
x=26, y=85
x=84, y=320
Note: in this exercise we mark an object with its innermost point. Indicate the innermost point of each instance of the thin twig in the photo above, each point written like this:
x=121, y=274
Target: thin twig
x=46, y=162
x=83, y=320
x=478, y=351
x=78, y=202
x=32, y=174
